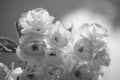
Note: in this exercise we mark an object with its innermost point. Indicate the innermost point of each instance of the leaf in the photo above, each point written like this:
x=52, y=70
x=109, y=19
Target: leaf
x=18, y=28
x=7, y=45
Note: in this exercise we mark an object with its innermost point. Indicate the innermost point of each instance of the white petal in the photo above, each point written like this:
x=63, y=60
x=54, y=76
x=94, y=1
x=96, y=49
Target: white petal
x=98, y=30
x=84, y=30
x=18, y=71
x=29, y=16
x=45, y=16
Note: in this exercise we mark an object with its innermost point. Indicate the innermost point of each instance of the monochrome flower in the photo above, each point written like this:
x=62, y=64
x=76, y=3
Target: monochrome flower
x=36, y=19
x=53, y=52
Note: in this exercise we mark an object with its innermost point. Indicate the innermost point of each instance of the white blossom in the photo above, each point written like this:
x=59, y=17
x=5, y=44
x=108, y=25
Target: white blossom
x=36, y=18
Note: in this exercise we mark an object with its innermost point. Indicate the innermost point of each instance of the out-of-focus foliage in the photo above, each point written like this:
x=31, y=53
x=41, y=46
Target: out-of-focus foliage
x=7, y=45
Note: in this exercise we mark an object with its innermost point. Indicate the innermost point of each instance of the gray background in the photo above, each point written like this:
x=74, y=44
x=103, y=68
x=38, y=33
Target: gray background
x=57, y=8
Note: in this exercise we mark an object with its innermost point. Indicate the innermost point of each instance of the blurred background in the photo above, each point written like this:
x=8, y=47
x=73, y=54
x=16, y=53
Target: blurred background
x=105, y=12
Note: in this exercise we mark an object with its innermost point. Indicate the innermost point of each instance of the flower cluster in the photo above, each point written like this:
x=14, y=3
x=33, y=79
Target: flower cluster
x=53, y=52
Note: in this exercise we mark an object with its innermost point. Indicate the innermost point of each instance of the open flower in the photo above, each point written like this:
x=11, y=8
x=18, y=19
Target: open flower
x=35, y=20
x=59, y=36
x=83, y=48
x=83, y=72
x=32, y=48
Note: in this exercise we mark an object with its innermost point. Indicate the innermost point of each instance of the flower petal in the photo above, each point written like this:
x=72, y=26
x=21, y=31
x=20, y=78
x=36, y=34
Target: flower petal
x=36, y=17
x=103, y=58
x=98, y=31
